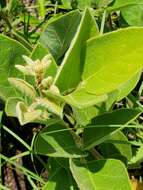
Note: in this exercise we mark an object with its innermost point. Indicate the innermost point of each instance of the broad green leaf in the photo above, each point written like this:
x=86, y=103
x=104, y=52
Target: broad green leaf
x=63, y=162
x=117, y=146
x=58, y=34
x=61, y=180
x=56, y=140
x=26, y=115
x=84, y=116
x=100, y=130
x=55, y=181
x=10, y=107
x=22, y=86
x=38, y=53
x=69, y=74
x=122, y=91
x=81, y=99
x=133, y=15
x=11, y=53
x=128, y=86
x=112, y=97
x=138, y=158
x=112, y=59
x=100, y=175
x=119, y=4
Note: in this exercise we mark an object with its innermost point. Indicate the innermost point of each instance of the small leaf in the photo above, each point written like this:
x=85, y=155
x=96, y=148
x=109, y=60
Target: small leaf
x=102, y=174
x=22, y=86
x=56, y=140
x=10, y=107
x=25, y=115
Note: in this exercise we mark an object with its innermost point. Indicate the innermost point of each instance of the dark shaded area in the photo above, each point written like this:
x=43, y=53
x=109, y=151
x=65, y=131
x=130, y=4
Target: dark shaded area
x=11, y=147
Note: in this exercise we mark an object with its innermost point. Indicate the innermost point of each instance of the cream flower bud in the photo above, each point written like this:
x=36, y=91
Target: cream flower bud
x=54, y=89
x=46, y=83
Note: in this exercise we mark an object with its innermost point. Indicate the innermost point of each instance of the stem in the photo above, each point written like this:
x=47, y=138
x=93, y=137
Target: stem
x=4, y=16
x=96, y=154
x=103, y=23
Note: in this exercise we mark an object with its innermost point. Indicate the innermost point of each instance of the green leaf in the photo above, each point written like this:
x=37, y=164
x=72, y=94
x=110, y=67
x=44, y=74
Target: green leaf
x=100, y=130
x=10, y=107
x=117, y=146
x=84, y=116
x=62, y=179
x=26, y=115
x=58, y=34
x=63, y=162
x=73, y=62
x=119, y=4
x=39, y=51
x=112, y=59
x=11, y=53
x=133, y=15
x=128, y=86
x=112, y=97
x=122, y=91
x=102, y=174
x=56, y=140
x=81, y=99
x=22, y=86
